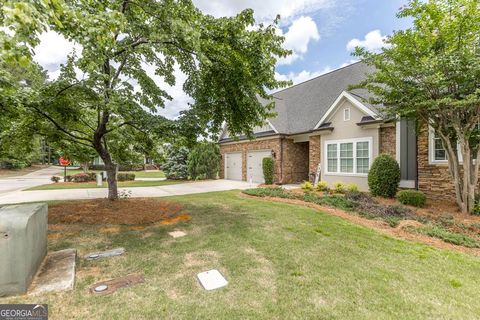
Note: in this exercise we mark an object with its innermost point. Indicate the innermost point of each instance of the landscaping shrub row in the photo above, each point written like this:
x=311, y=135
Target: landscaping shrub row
x=360, y=202
x=366, y=206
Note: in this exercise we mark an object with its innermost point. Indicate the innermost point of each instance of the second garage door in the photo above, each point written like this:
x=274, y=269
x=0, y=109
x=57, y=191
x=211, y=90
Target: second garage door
x=254, y=165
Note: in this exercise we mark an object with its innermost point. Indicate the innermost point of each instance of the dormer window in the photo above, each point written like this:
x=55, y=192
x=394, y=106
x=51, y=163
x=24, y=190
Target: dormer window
x=346, y=114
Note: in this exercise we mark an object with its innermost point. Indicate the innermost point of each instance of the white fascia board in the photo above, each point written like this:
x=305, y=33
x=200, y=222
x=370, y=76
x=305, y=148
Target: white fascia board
x=350, y=98
x=272, y=126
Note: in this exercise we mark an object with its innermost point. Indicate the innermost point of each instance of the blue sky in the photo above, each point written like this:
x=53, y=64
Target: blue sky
x=337, y=29
x=321, y=33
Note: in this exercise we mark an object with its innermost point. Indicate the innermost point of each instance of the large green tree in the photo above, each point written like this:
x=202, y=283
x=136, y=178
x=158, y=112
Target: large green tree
x=431, y=72
x=228, y=62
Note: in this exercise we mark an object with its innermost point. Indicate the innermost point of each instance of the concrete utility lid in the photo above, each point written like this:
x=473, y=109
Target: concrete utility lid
x=177, y=234
x=105, y=254
x=57, y=273
x=212, y=279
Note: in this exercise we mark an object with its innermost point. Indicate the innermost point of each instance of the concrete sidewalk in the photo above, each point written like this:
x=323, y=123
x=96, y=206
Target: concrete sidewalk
x=140, y=192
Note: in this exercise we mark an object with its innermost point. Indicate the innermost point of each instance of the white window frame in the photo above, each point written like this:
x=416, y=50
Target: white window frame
x=354, y=141
x=431, y=149
x=345, y=111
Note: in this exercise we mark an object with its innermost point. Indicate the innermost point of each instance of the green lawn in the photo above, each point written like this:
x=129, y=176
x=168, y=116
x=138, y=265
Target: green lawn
x=281, y=261
x=86, y=185
x=138, y=174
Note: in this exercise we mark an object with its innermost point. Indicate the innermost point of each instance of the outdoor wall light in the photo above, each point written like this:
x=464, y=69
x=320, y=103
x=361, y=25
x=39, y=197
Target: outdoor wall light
x=273, y=154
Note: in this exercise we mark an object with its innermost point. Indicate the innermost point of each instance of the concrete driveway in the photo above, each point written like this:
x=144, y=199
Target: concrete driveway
x=32, y=179
x=18, y=196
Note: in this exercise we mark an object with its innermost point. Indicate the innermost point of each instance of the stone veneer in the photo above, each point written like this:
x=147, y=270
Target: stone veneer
x=433, y=179
x=388, y=140
x=314, y=153
x=294, y=157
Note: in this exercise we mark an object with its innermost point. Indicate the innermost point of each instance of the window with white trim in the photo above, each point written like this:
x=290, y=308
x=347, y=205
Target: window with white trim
x=332, y=157
x=349, y=157
x=363, y=157
x=346, y=157
x=346, y=114
x=438, y=153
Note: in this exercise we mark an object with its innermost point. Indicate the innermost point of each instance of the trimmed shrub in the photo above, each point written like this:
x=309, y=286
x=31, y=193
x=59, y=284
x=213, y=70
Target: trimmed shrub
x=270, y=192
x=125, y=176
x=384, y=176
x=307, y=186
x=267, y=166
x=82, y=177
x=204, y=161
x=55, y=179
x=352, y=188
x=322, y=186
x=68, y=178
x=175, y=167
x=450, y=237
x=412, y=198
x=339, y=187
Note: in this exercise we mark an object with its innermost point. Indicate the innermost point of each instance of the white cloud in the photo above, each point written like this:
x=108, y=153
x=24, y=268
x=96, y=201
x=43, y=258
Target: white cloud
x=53, y=50
x=302, y=76
x=299, y=34
x=373, y=41
x=265, y=9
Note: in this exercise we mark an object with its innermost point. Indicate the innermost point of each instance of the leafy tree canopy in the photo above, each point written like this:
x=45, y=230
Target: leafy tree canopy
x=106, y=97
x=431, y=72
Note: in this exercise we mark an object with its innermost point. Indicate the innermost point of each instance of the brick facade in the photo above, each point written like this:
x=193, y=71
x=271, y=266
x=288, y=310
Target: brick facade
x=295, y=161
x=244, y=147
x=291, y=159
x=388, y=141
x=314, y=153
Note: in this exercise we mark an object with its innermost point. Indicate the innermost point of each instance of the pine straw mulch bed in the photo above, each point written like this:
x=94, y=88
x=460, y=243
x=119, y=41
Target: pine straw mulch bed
x=138, y=211
x=401, y=231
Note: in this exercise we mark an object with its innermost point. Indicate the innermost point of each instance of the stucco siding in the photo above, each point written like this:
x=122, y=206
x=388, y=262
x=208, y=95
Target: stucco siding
x=344, y=130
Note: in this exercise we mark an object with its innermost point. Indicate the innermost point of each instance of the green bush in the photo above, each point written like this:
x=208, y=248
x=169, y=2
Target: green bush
x=55, y=179
x=447, y=236
x=384, y=176
x=270, y=192
x=307, y=186
x=339, y=187
x=68, y=178
x=476, y=207
x=352, y=188
x=322, y=186
x=14, y=164
x=204, y=161
x=175, y=167
x=411, y=198
x=125, y=176
x=267, y=166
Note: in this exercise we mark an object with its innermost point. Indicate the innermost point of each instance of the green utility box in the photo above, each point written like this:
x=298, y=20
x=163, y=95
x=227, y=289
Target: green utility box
x=23, y=245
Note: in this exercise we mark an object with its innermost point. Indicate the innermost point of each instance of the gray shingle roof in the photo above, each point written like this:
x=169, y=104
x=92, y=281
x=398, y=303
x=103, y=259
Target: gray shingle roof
x=301, y=106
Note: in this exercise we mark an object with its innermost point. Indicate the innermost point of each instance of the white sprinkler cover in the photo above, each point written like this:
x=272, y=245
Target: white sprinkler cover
x=212, y=279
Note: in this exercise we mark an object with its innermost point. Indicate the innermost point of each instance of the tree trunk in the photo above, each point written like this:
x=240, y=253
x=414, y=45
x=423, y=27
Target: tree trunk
x=465, y=176
x=111, y=169
x=85, y=167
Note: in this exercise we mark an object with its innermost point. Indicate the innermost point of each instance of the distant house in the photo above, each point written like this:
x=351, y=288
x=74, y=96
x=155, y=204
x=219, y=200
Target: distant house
x=321, y=125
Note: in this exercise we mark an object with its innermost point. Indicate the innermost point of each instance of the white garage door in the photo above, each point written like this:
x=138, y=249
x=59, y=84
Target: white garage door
x=233, y=166
x=254, y=165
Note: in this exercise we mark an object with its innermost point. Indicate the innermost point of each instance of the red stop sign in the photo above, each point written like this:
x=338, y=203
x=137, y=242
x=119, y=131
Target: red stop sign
x=63, y=162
